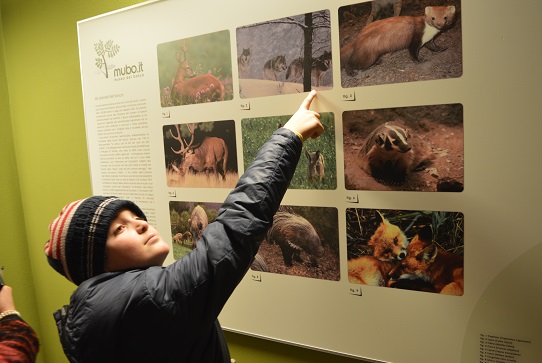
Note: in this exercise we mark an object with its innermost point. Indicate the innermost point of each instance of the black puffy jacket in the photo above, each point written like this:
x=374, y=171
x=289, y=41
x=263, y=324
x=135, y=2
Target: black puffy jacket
x=169, y=314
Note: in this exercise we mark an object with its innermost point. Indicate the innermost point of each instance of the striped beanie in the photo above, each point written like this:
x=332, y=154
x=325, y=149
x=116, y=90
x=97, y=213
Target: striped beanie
x=76, y=248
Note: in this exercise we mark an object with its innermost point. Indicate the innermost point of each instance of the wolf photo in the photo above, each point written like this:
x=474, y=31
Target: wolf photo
x=195, y=70
x=317, y=167
x=303, y=242
x=188, y=220
x=397, y=41
x=201, y=155
x=406, y=249
x=418, y=148
x=284, y=56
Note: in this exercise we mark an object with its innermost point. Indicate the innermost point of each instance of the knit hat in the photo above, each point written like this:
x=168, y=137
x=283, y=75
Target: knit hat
x=78, y=236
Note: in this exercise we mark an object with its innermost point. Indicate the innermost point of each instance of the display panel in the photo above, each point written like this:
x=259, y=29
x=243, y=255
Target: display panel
x=457, y=195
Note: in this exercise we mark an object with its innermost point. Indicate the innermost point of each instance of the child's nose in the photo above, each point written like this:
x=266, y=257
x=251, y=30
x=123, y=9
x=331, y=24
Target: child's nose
x=142, y=225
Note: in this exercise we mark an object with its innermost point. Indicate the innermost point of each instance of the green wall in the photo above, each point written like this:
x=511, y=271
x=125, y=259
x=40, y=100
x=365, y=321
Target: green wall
x=13, y=240
x=44, y=162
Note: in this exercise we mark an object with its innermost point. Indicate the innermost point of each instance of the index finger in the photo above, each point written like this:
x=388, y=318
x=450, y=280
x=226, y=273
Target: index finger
x=308, y=100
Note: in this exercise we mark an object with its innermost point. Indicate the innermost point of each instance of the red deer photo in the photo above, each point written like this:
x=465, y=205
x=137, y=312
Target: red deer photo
x=201, y=155
x=188, y=87
x=406, y=249
x=195, y=70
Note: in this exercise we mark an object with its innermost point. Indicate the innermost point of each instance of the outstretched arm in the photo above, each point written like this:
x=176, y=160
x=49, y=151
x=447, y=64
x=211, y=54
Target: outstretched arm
x=229, y=244
x=261, y=188
x=247, y=213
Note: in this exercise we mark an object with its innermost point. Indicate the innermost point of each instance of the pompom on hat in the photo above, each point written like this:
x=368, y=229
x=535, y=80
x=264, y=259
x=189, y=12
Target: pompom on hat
x=76, y=248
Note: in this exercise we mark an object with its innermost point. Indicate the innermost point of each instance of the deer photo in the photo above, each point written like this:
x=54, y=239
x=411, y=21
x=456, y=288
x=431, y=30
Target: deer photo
x=189, y=88
x=210, y=156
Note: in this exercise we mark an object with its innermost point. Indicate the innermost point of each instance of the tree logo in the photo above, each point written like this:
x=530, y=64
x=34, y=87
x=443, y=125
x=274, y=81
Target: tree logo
x=110, y=49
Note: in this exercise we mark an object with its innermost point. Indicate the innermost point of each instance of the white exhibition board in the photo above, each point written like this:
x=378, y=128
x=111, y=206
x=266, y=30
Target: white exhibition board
x=473, y=105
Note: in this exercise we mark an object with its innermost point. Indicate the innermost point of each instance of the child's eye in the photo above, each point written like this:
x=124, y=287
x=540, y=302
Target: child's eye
x=119, y=229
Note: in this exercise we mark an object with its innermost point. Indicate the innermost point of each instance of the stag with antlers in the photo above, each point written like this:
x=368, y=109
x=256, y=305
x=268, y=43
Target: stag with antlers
x=211, y=156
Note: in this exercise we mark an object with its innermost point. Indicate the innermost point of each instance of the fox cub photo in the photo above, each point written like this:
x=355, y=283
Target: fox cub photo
x=414, y=250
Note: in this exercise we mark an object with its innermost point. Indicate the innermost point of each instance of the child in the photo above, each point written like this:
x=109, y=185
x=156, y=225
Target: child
x=128, y=308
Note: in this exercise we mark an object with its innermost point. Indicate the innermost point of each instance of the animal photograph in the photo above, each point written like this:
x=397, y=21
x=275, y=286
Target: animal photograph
x=284, y=56
x=397, y=41
x=304, y=242
x=195, y=70
x=201, y=155
x=418, y=148
x=188, y=221
x=404, y=249
x=317, y=167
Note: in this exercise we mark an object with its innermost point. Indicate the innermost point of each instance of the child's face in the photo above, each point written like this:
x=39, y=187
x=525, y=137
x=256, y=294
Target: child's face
x=133, y=243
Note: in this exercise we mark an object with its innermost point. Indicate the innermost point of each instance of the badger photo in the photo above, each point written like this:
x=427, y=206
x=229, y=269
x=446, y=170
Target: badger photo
x=416, y=148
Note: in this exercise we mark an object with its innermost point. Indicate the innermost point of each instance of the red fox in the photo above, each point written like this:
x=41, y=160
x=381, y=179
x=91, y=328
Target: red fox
x=427, y=262
x=390, y=245
x=396, y=33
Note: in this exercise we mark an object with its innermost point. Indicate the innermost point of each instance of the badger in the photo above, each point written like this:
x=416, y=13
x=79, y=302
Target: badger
x=391, y=152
